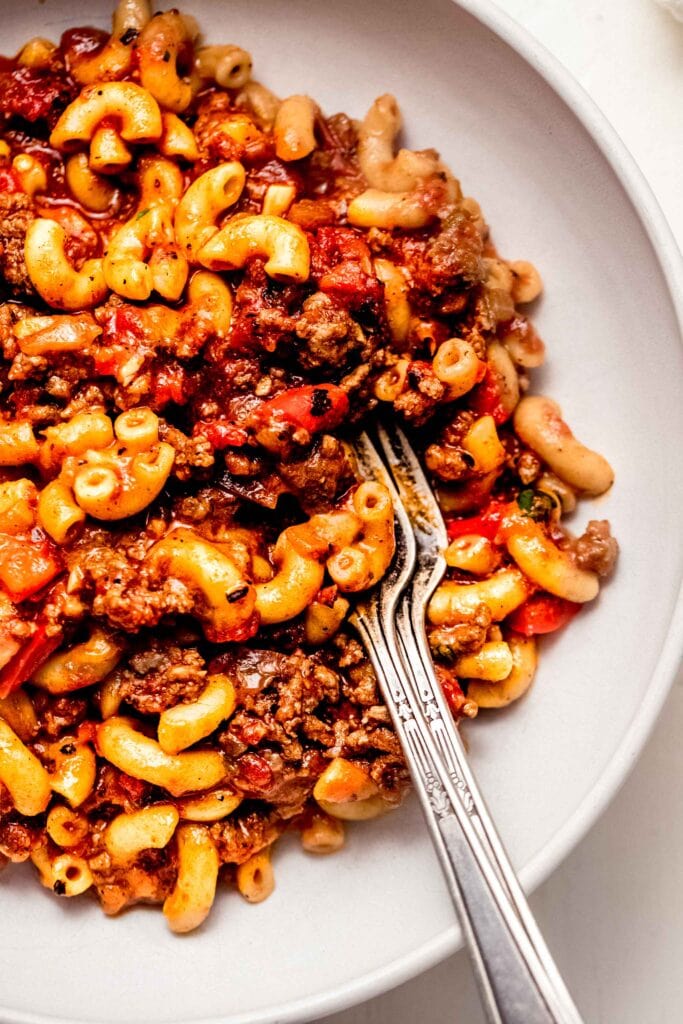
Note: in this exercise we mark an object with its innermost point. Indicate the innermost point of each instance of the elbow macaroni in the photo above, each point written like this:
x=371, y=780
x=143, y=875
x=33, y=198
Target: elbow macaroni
x=539, y=423
x=283, y=243
x=195, y=888
x=53, y=276
x=185, y=724
x=138, y=755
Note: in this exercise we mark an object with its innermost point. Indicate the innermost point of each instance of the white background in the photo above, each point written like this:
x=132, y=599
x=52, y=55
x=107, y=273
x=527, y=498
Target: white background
x=613, y=912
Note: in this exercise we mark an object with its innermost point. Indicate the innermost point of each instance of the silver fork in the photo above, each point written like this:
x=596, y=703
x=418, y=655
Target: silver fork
x=518, y=981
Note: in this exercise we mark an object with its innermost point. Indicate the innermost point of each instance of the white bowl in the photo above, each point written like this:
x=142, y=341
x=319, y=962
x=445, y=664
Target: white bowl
x=559, y=189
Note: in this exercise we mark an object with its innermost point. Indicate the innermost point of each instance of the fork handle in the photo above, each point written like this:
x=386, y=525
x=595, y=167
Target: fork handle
x=514, y=985
x=418, y=663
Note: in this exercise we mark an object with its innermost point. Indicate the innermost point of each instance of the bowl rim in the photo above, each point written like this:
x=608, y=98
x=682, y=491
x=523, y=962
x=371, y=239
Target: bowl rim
x=593, y=805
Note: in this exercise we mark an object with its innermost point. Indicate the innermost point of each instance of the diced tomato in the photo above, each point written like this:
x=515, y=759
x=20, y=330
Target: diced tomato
x=221, y=433
x=485, y=524
x=34, y=93
x=252, y=732
x=486, y=399
x=122, y=324
x=312, y=407
x=8, y=180
x=254, y=771
x=87, y=732
x=342, y=266
x=169, y=385
x=109, y=361
x=27, y=564
x=235, y=635
x=134, y=789
x=542, y=613
x=25, y=662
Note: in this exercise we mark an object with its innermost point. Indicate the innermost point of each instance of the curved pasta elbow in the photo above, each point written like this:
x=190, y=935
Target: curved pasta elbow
x=143, y=257
x=209, y=195
x=141, y=757
x=150, y=828
x=255, y=877
x=229, y=66
x=298, y=579
x=195, y=888
x=501, y=593
x=73, y=769
x=283, y=244
x=380, y=167
x=53, y=276
x=226, y=600
x=396, y=304
x=547, y=565
x=115, y=59
x=360, y=565
x=132, y=108
x=22, y=774
x=294, y=128
x=376, y=208
x=457, y=365
x=538, y=422
x=58, y=513
x=164, y=44
x=345, y=790
x=185, y=724
x=109, y=488
x=499, y=694
x=492, y=662
x=83, y=665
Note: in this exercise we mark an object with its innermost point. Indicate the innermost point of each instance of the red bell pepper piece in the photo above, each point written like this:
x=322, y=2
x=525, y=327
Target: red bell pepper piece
x=311, y=407
x=485, y=524
x=542, y=613
x=26, y=566
x=31, y=656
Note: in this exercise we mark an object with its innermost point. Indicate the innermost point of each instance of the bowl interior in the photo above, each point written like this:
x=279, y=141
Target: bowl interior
x=340, y=929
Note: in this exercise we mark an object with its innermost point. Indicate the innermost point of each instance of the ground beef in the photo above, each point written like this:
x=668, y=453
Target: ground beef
x=268, y=776
x=149, y=879
x=447, y=642
x=17, y=839
x=161, y=675
x=191, y=453
x=390, y=775
x=120, y=590
x=423, y=394
x=320, y=476
x=455, y=255
x=275, y=692
x=244, y=833
x=16, y=214
x=330, y=333
x=57, y=715
x=447, y=463
x=360, y=683
x=596, y=549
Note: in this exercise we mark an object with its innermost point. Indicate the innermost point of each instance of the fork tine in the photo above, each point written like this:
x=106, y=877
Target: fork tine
x=413, y=487
x=404, y=563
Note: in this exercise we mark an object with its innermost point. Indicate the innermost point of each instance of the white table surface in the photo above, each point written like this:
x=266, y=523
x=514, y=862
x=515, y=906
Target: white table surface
x=613, y=912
